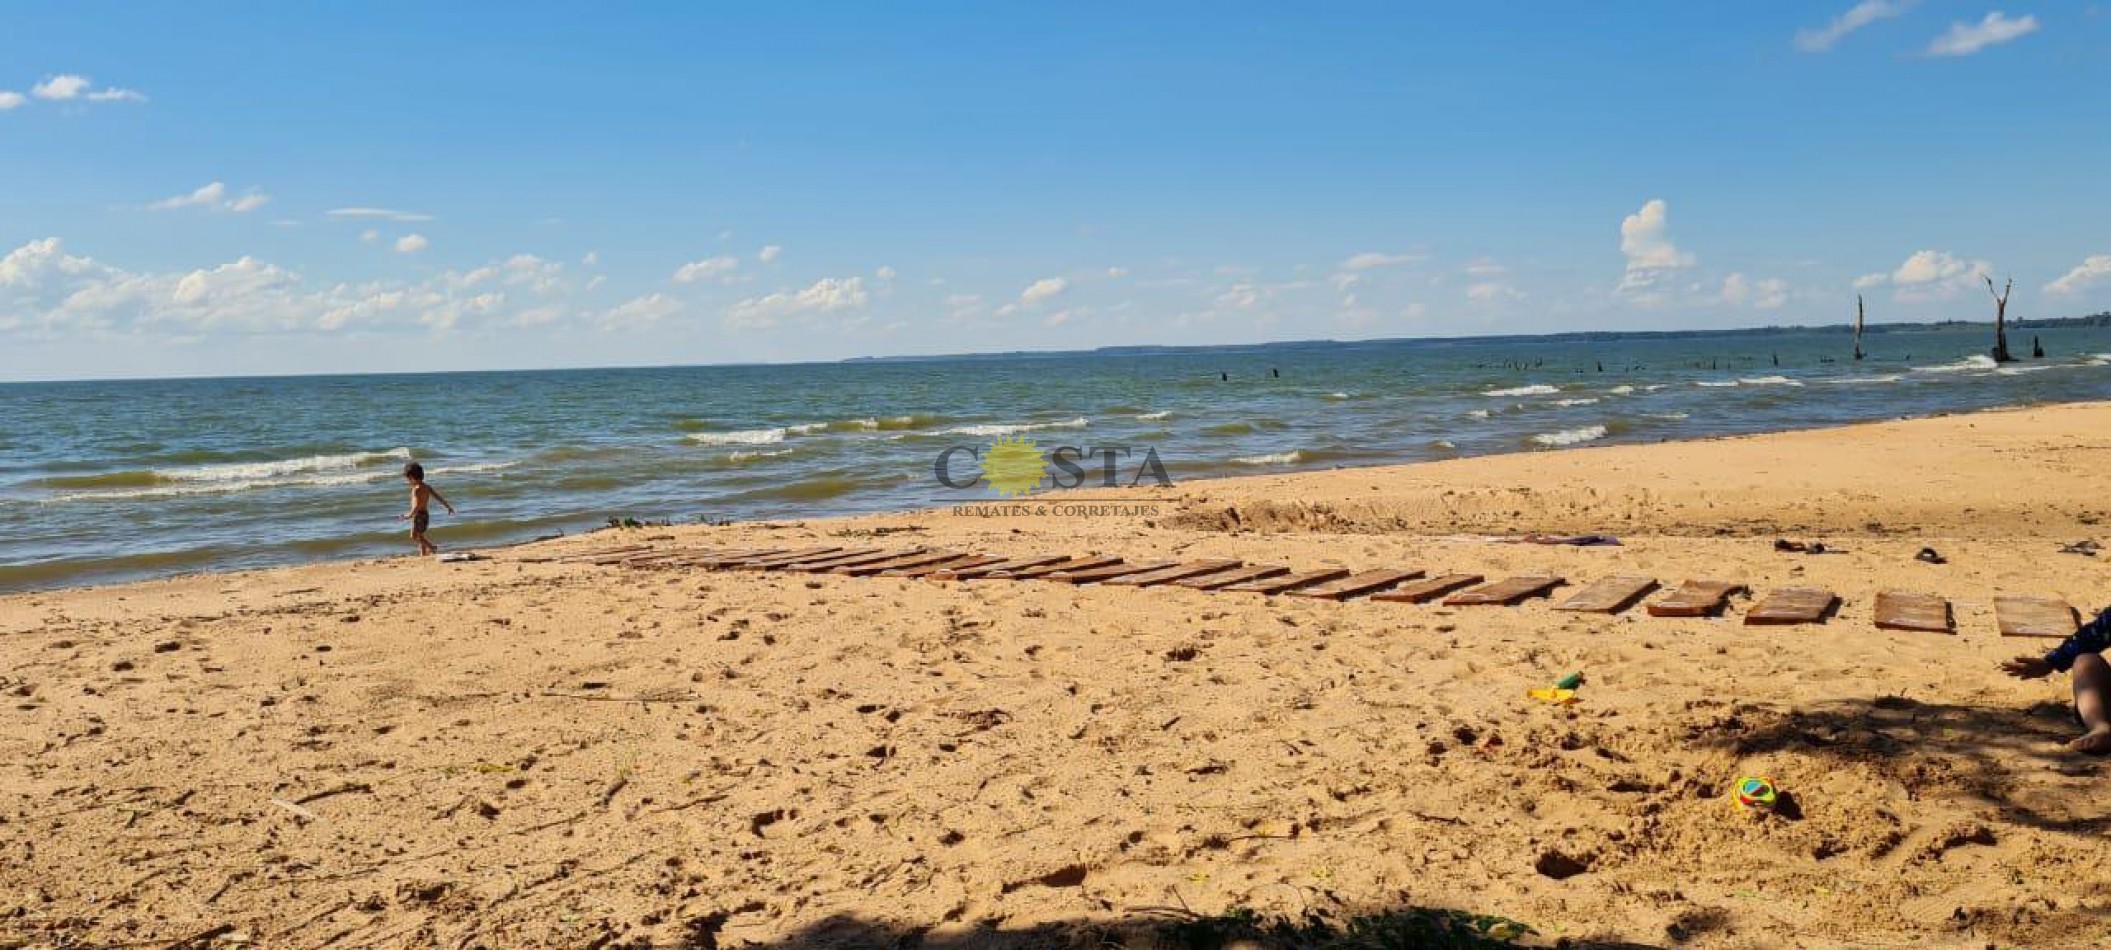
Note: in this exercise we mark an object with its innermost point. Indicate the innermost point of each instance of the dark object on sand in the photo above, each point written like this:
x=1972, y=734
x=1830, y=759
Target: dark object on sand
x=1799, y=547
x=2084, y=547
x=1574, y=540
x=1929, y=556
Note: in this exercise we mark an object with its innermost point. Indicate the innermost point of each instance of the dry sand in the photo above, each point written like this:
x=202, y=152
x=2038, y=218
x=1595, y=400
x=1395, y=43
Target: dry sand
x=510, y=754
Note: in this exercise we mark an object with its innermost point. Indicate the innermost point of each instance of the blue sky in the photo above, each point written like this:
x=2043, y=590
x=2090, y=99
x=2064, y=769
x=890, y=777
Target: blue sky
x=253, y=188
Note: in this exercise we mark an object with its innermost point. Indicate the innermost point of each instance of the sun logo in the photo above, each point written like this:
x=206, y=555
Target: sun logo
x=1013, y=466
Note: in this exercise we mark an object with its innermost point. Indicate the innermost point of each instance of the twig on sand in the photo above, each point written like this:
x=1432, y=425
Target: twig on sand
x=203, y=937
x=312, y=918
x=684, y=698
x=298, y=811
x=609, y=794
x=345, y=789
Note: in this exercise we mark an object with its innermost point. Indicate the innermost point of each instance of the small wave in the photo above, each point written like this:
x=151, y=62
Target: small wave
x=1716, y=384
x=1768, y=381
x=1445, y=444
x=820, y=488
x=2020, y=370
x=1866, y=380
x=738, y=437
x=1477, y=413
x=1540, y=390
x=752, y=455
x=209, y=488
x=236, y=474
x=1974, y=362
x=987, y=431
x=1247, y=427
x=1155, y=416
x=1572, y=402
x=1672, y=416
x=1622, y=390
x=1340, y=396
x=1570, y=436
x=1291, y=457
x=806, y=429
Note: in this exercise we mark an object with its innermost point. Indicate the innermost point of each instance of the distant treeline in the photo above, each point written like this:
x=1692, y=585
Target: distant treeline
x=1581, y=336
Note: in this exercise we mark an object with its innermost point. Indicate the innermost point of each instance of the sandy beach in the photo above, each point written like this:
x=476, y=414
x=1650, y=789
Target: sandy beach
x=518, y=752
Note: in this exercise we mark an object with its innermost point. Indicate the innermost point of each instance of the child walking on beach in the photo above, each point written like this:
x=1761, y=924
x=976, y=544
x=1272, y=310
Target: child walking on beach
x=421, y=495
x=2083, y=656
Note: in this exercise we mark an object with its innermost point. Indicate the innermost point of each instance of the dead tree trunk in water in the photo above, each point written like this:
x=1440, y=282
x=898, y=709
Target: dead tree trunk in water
x=1857, y=328
x=2001, y=320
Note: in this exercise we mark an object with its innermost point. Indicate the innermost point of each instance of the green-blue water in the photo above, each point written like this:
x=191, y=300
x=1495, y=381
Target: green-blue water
x=111, y=480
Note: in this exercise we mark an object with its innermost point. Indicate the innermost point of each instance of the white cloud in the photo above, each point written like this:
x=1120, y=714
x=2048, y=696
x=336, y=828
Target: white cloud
x=827, y=295
x=1485, y=267
x=11, y=100
x=213, y=196
x=640, y=313
x=412, y=244
x=384, y=214
x=1646, y=242
x=1929, y=275
x=2094, y=268
x=1860, y=15
x=1964, y=39
x=67, y=87
x=1371, y=259
x=1117, y=273
x=1766, y=294
x=1060, y=317
x=884, y=273
x=1042, y=290
x=592, y=259
x=710, y=268
x=769, y=253
x=1492, y=292
x=369, y=236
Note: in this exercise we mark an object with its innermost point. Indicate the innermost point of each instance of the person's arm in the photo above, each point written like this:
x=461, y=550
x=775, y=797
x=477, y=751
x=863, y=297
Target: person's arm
x=442, y=499
x=2094, y=637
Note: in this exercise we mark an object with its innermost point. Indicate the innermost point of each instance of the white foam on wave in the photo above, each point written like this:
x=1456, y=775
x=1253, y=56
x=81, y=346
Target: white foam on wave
x=1866, y=380
x=2020, y=370
x=1340, y=396
x=1573, y=402
x=1622, y=390
x=1672, y=416
x=807, y=429
x=739, y=437
x=1477, y=413
x=1536, y=390
x=996, y=430
x=319, y=471
x=1443, y=444
x=1970, y=363
x=753, y=454
x=1155, y=416
x=253, y=471
x=1291, y=457
x=1571, y=436
x=1769, y=381
x=1716, y=384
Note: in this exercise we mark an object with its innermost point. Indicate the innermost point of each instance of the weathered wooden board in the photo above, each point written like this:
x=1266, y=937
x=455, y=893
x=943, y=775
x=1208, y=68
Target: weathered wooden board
x=1906, y=610
x=1788, y=605
x=1696, y=599
x=1289, y=582
x=789, y=558
x=1505, y=592
x=848, y=558
x=2035, y=617
x=1177, y=572
x=1000, y=566
x=1357, y=584
x=1424, y=591
x=917, y=559
x=926, y=570
x=1609, y=595
x=1071, y=564
x=1223, y=579
x=1097, y=574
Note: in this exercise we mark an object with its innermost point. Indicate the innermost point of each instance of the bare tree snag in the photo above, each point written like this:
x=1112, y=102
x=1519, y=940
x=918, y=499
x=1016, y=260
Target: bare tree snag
x=1857, y=328
x=2000, y=353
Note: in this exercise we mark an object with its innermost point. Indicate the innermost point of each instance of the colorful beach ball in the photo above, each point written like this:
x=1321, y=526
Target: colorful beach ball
x=1755, y=794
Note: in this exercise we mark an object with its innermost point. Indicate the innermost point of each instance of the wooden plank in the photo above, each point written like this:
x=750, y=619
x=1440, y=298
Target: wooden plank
x=848, y=558
x=663, y=558
x=788, y=559
x=1177, y=572
x=926, y=570
x=1096, y=574
x=1357, y=584
x=604, y=552
x=1229, y=578
x=1609, y=595
x=2035, y=617
x=998, y=567
x=1422, y=592
x=1068, y=564
x=1505, y=592
x=907, y=560
x=730, y=558
x=1787, y=605
x=1905, y=610
x=1696, y=599
x=1289, y=582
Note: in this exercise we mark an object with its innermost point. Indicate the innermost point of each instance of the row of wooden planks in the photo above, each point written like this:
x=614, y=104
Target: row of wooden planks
x=1895, y=610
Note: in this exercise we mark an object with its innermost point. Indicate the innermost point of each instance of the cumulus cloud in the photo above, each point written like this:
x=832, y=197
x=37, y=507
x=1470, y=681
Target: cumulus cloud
x=1964, y=39
x=640, y=313
x=884, y=272
x=2094, y=268
x=46, y=291
x=214, y=197
x=824, y=296
x=1765, y=294
x=1372, y=259
x=710, y=268
x=769, y=253
x=1645, y=240
x=412, y=244
x=68, y=87
x=382, y=214
x=1117, y=273
x=1042, y=290
x=1493, y=291
x=1929, y=275
x=11, y=100
x=1860, y=15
